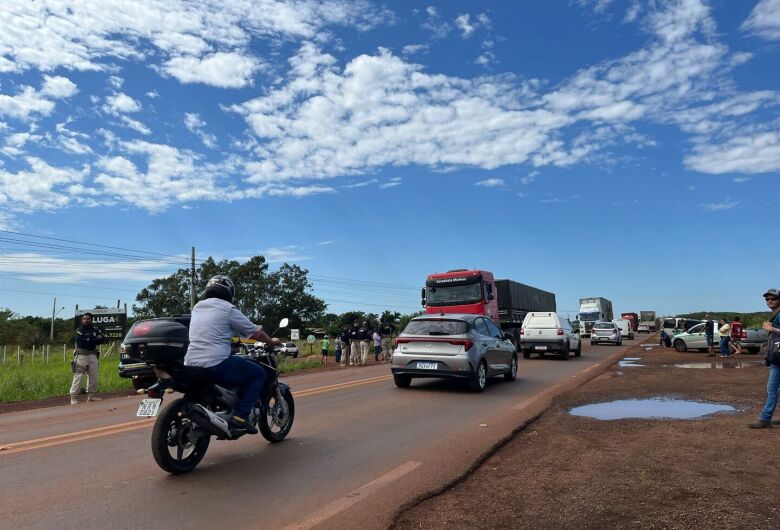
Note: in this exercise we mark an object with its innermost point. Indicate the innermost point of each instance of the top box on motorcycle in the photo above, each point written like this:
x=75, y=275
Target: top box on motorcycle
x=159, y=339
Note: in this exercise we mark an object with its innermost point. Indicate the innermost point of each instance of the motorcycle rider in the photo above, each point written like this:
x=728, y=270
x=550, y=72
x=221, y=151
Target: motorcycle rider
x=214, y=322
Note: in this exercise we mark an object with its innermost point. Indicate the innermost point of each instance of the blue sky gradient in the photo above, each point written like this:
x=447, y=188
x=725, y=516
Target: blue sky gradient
x=588, y=147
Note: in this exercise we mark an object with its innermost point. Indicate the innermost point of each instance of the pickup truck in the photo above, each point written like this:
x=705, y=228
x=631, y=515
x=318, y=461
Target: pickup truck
x=753, y=339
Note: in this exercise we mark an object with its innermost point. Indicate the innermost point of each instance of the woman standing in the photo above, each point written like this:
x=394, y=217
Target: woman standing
x=725, y=338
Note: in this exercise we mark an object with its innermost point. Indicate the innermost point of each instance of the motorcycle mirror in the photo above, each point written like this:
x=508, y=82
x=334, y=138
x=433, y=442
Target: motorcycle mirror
x=283, y=323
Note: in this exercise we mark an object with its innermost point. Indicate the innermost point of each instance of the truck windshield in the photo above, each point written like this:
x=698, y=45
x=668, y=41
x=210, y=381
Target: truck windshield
x=453, y=295
x=589, y=317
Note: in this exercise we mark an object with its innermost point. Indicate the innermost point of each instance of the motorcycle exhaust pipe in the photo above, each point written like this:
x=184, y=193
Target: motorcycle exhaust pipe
x=208, y=421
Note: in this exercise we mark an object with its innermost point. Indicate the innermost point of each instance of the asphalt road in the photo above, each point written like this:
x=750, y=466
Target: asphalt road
x=359, y=450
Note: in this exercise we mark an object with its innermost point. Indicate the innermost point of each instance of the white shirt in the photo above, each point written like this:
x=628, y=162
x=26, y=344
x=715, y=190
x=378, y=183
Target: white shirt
x=214, y=322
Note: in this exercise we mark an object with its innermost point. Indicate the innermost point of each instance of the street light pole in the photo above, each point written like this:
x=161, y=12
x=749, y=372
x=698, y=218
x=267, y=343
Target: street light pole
x=53, y=313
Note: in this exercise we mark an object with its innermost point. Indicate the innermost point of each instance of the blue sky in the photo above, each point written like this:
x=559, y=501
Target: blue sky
x=624, y=149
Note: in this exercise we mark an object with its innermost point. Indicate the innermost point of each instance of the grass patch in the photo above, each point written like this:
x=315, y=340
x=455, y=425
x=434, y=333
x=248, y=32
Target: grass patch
x=289, y=364
x=38, y=379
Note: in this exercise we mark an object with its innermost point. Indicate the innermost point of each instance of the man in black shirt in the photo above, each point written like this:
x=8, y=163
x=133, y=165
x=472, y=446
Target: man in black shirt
x=386, y=330
x=85, y=360
x=709, y=333
x=354, y=343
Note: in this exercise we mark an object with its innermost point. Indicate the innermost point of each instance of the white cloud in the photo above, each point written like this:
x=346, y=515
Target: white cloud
x=325, y=243
x=291, y=253
x=153, y=94
x=58, y=87
x=740, y=180
x=529, y=178
x=632, y=12
x=727, y=204
x=195, y=125
x=437, y=27
x=296, y=191
x=135, y=125
x=171, y=176
x=757, y=152
x=464, y=25
x=224, y=70
x=41, y=187
x=411, y=49
x=42, y=268
x=392, y=183
x=491, y=183
x=764, y=20
x=362, y=184
x=91, y=35
x=119, y=103
x=29, y=102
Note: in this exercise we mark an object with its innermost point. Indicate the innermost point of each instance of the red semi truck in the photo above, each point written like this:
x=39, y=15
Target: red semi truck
x=633, y=317
x=476, y=292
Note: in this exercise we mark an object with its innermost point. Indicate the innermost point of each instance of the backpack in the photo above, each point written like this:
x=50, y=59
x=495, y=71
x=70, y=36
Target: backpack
x=773, y=345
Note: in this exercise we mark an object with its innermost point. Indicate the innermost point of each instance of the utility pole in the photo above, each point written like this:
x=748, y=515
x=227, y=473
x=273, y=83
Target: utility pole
x=53, y=314
x=192, y=281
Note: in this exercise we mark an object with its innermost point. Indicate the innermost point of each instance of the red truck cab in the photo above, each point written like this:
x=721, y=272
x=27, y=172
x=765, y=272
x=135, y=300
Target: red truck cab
x=461, y=291
x=633, y=318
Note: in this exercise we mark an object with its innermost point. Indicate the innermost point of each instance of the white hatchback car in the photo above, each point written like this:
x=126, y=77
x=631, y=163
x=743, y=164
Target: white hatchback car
x=545, y=331
x=625, y=329
x=606, y=332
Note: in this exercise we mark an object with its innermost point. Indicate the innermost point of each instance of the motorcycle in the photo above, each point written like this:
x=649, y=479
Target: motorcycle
x=183, y=430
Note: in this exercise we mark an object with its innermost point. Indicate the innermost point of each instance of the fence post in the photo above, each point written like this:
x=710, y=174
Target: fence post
x=48, y=352
x=63, y=353
x=3, y=353
x=18, y=357
x=32, y=359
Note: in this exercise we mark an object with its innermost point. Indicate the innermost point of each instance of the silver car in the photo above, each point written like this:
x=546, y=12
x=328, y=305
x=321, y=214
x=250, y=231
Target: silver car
x=606, y=332
x=470, y=347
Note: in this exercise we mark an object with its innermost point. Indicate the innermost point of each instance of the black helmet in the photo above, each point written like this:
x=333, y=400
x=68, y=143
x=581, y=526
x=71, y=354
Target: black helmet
x=220, y=286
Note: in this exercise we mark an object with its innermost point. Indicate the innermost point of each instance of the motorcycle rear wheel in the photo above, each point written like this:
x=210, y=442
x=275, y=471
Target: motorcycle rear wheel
x=172, y=448
x=276, y=419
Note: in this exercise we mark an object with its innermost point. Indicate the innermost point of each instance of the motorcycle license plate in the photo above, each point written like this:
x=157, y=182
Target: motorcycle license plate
x=148, y=408
x=427, y=366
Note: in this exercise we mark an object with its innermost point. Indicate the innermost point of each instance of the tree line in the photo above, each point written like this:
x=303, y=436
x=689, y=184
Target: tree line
x=263, y=295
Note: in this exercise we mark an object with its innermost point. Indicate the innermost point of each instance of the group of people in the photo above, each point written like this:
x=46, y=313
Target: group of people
x=730, y=336
x=353, y=343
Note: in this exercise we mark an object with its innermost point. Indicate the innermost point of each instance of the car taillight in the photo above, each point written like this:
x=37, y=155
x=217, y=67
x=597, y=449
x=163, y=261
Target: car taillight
x=467, y=344
x=522, y=331
x=743, y=335
x=141, y=329
x=559, y=331
x=402, y=341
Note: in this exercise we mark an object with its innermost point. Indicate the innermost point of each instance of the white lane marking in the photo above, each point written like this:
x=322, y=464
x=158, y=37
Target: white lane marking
x=348, y=500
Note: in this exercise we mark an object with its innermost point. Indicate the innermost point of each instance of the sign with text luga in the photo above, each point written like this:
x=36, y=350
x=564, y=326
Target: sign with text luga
x=112, y=321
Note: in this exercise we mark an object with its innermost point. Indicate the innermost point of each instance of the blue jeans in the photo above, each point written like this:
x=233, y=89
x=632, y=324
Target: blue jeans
x=235, y=371
x=772, y=385
x=724, y=346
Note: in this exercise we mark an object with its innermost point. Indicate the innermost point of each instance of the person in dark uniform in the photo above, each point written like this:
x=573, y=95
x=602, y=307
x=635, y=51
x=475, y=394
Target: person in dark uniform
x=344, y=340
x=386, y=330
x=364, y=336
x=85, y=360
x=354, y=343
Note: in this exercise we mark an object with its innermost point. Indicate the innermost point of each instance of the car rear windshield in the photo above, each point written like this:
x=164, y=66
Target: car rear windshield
x=541, y=321
x=436, y=327
x=604, y=325
x=290, y=344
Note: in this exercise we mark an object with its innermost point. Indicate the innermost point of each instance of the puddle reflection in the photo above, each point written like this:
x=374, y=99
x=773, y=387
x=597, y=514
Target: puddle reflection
x=629, y=362
x=718, y=365
x=655, y=408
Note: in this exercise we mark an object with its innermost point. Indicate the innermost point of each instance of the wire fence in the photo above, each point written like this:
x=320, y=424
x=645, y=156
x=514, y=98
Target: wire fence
x=45, y=353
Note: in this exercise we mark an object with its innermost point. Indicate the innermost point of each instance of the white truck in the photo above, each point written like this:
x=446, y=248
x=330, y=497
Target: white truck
x=593, y=310
x=647, y=322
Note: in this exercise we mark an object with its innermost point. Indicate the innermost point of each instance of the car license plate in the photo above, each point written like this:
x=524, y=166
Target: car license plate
x=427, y=366
x=540, y=347
x=148, y=408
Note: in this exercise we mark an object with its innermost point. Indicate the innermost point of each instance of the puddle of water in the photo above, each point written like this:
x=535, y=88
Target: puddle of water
x=655, y=408
x=718, y=365
x=628, y=364
x=648, y=349
x=632, y=358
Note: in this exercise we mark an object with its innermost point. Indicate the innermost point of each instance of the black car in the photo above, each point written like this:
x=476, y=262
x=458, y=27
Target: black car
x=132, y=367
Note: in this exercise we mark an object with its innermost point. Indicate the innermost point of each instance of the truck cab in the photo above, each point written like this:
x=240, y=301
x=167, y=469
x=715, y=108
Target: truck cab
x=461, y=291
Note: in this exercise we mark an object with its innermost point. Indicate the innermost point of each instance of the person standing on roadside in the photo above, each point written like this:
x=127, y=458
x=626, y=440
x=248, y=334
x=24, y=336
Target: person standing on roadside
x=354, y=343
x=337, y=348
x=325, y=347
x=772, y=360
x=364, y=336
x=377, y=344
x=344, y=339
x=725, y=338
x=387, y=330
x=709, y=333
x=85, y=360
x=736, y=335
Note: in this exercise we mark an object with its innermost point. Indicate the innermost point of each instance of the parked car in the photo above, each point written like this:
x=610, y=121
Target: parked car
x=625, y=329
x=694, y=338
x=469, y=347
x=130, y=366
x=606, y=332
x=288, y=348
x=753, y=339
x=545, y=331
x=643, y=328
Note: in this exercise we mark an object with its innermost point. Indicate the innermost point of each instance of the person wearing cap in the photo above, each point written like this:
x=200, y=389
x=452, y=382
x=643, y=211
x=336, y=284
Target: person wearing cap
x=772, y=298
x=85, y=359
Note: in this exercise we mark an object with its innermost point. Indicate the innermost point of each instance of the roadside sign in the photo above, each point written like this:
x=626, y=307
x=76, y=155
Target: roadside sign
x=310, y=339
x=112, y=321
x=295, y=334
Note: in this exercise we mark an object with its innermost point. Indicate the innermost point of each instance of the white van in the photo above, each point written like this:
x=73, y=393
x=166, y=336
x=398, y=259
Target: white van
x=625, y=329
x=545, y=331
